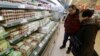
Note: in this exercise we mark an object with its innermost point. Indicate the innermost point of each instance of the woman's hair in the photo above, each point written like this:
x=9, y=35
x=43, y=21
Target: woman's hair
x=87, y=13
x=75, y=8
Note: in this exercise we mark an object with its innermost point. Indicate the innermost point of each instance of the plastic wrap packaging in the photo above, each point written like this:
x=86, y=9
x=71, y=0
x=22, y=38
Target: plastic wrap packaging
x=47, y=28
x=4, y=45
x=33, y=26
x=37, y=37
x=26, y=50
x=27, y=46
x=15, y=53
x=2, y=31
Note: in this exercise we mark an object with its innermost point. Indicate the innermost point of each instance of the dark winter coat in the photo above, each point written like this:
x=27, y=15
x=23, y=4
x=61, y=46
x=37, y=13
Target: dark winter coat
x=83, y=44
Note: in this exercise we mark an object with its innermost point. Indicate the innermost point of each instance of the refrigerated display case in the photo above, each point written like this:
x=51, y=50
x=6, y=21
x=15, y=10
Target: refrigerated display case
x=25, y=28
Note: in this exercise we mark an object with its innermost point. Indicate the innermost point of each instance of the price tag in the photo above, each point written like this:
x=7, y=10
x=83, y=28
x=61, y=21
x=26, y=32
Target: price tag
x=40, y=45
x=1, y=18
x=35, y=7
x=43, y=42
x=25, y=35
x=46, y=38
x=29, y=33
x=24, y=21
x=35, y=53
x=8, y=50
x=10, y=41
x=21, y=6
x=1, y=28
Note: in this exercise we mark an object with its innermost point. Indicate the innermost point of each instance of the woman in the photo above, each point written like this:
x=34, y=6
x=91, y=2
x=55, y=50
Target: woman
x=71, y=25
x=83, y=44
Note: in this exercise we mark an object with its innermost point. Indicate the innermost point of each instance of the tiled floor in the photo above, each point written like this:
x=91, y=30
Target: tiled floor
x=57, y=52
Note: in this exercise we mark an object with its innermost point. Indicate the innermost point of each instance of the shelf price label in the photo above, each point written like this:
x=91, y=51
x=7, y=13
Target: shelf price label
x=28, y=32
x=46, y=38
x=43, y=42
x=21, y=6
x=1, y=18
x=40, y=45
x=26, y=35
x=35, y=53
x=24, y=21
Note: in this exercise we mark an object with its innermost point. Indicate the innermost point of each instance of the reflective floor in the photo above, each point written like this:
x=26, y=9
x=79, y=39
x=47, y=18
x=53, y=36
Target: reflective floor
x=57, y=52
x=97, y=44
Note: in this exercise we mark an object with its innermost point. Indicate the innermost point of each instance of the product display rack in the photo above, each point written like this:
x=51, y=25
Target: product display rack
x=21, y=21
x=4, y=35
x=20, y=29
x=10, y=5
x=40, y=47
x=5, y=52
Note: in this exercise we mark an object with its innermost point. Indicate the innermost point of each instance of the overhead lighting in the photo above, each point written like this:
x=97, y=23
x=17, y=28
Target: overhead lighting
x=70, y=2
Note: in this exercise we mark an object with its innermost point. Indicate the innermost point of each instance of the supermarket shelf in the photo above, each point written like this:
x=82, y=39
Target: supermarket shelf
x=21, y=21
x=5, y=52
x=41, y=46
x=4, y=35
x=5, y=4
x=12, y=23
x=31, y=19
x=10, y=5
x=18, y=39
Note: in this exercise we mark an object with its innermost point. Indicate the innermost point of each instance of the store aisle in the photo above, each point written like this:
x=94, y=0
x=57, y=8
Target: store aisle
x=56, y=51
x=97, y=44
